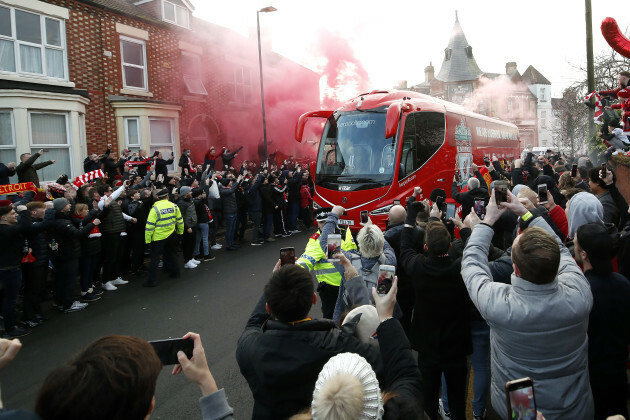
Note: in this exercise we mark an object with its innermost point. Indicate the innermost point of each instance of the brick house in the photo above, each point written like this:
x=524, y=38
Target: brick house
x=78, y=75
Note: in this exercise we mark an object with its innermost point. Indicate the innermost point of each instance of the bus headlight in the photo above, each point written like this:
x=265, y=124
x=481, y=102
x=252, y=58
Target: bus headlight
x=382, y=210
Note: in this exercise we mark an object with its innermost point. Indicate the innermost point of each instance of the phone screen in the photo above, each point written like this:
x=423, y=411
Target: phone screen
x=333, y=246
x=450, y=211
x=397, y=202
x=542, y=194
x=385, y=279
x=166, y=350
x=287, y=256
x=500, y=191
x=574, y=170
x=441, y=203
x=521, y=400
x=364, y=216
x=604, y=170
x=480, y=207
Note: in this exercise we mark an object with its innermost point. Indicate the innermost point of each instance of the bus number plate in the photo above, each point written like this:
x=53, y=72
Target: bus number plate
x=346, y=222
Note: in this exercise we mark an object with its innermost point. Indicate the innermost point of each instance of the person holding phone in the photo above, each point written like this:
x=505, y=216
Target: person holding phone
x=477, y=188
x=529, y=338
x=440, y=327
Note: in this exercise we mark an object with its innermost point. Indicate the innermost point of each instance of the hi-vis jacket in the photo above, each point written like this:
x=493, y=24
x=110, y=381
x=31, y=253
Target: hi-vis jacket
x=162, y=220
x=314, y=258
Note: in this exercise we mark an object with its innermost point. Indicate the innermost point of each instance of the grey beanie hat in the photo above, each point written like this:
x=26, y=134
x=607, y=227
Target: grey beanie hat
x=60, y=203
x=184, y=190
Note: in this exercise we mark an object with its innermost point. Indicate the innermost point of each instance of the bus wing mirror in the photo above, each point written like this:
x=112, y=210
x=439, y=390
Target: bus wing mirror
x=391, y=121
x=301, y=123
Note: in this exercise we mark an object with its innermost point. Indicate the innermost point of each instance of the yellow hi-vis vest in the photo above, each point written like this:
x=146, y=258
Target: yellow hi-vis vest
x=162, y=220
x=314, y=259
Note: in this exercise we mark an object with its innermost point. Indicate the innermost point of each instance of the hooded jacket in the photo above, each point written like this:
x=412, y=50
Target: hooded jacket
x=537, y=330
x=583, y=208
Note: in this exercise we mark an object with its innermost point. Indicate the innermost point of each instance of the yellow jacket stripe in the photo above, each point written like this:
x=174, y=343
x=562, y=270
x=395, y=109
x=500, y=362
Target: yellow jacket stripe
x=163, y=219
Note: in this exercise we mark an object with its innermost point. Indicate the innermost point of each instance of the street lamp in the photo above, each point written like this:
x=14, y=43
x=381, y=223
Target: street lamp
x=267, y=9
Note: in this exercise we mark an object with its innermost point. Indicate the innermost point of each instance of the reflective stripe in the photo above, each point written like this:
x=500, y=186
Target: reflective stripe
x=308, y=257
x=149, y=223
x=323, y=271
x=166, y=224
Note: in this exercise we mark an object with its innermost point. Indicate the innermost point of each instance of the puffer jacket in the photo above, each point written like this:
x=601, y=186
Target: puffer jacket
x=68, y=237
x=38, y=240
x=187, y=208
x=537, y=330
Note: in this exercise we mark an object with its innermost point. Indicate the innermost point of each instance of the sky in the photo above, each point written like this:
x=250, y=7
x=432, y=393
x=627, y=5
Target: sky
x=396, y=39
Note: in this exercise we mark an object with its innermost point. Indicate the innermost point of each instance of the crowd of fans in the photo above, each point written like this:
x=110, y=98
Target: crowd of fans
x=122, y=205
x=533, y=283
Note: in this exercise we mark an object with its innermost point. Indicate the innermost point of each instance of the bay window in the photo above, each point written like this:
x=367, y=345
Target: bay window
x=50, y=131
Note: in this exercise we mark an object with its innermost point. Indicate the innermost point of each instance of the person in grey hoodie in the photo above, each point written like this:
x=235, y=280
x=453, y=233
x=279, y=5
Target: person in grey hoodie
x=583, y=208
x=538, y=323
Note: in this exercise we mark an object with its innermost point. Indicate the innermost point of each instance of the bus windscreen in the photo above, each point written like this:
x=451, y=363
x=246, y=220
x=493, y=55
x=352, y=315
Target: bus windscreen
x=354, y=150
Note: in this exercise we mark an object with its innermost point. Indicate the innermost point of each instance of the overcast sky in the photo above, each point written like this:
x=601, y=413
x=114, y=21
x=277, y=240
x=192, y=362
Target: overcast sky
x=396, y=39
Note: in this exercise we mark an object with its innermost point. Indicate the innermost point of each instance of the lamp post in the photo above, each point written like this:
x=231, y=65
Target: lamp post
x=267, y=9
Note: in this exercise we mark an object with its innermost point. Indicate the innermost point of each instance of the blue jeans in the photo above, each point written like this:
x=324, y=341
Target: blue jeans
x=480, y=360
x=267, y=222
x=255, y=217
x=11, y=282
x=230, y=228
x=293, y=211
x=202, y=236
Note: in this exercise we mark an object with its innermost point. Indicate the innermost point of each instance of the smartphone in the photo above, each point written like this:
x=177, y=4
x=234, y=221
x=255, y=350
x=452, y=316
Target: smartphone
x=486, y=161
x=604, y=169
x=520, y=399
x=386, y=275
x=450, y=211
x=166, y=350
x=397, y=202
x=574, y=170
x=480, y=207
x=333, y=246
x=441, y=203
x=364, y=216
x=500, y=191
x=287, y=256
x=542, y=194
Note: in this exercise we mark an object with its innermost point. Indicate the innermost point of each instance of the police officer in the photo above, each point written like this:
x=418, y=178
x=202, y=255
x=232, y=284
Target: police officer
x=314, y=258
x=161, y=233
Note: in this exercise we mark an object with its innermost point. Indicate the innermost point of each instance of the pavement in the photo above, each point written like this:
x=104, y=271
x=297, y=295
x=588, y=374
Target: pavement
x=214, y=300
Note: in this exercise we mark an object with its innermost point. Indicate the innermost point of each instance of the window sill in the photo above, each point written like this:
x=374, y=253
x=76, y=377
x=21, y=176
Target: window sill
x=36, y=80
x=136, y=92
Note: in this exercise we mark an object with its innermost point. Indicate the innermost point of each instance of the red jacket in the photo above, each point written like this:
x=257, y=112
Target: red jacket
x=559, y=217
x=305, y=196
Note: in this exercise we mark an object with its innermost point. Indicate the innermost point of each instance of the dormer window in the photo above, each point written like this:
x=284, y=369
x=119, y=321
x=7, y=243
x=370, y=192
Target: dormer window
x=447, y=54
x=175, y=14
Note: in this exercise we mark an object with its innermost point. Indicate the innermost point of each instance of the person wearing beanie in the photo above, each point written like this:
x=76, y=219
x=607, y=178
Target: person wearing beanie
x=609, y=320
x=230, y=209
x=112, y=229
x=66, y=255
x=583, y=208
x=189, y=214
x=347, y=386
x=164, y=224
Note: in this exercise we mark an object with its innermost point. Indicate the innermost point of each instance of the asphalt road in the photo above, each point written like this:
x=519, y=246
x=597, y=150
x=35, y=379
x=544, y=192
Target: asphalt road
x=214, y=300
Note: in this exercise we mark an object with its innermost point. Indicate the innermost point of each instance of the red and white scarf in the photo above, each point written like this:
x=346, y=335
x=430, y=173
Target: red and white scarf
x=87, y=177
x=599, y=108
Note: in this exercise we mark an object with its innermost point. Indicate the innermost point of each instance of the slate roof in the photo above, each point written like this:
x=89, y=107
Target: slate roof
x=531, y=76
x=461, y=64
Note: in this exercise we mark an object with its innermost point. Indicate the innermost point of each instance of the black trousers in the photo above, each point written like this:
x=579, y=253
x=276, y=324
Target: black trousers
x=328, y=295
x=406, y=299
x=609, y=394
x=137, y=250
x=455, y=373
x=279, y=221
x=110, y=246
x=166, y=248
x=66, y=271
x=34, y=280
x=188, y=244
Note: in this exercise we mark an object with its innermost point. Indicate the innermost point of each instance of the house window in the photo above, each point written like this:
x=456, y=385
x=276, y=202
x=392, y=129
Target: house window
x=134, y=63
x=50, y=131
x=32, y=44
x=7, y=138
x=161, y=132
x=543, y=95
x=191, y=69
x=241, y=85
x=543, y=119
x=176, y=14
x=132, y=134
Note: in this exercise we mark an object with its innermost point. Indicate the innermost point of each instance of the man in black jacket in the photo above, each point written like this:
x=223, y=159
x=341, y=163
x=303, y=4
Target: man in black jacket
x=477, y=188
x=66, y=255
x=440, y=328
x=282, y=354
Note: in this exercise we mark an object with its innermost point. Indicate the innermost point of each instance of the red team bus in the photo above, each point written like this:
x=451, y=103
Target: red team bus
x=378, y=146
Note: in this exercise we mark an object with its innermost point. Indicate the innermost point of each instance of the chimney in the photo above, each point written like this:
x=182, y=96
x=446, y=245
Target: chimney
x=402, y=85
x=429, y=73
x=510, y=68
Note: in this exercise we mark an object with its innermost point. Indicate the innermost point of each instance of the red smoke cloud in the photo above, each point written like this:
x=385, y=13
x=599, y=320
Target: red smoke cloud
x=343, y=74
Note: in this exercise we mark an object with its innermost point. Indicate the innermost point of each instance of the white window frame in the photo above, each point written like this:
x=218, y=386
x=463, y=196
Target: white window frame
x=67, y=146
x=197, y=65
x=242, y=84
x=543, y=96
x=42, y=47
x=171, y=145
x=128, y=145
x=176, y=21
x=11, y=146
x=144, y=68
